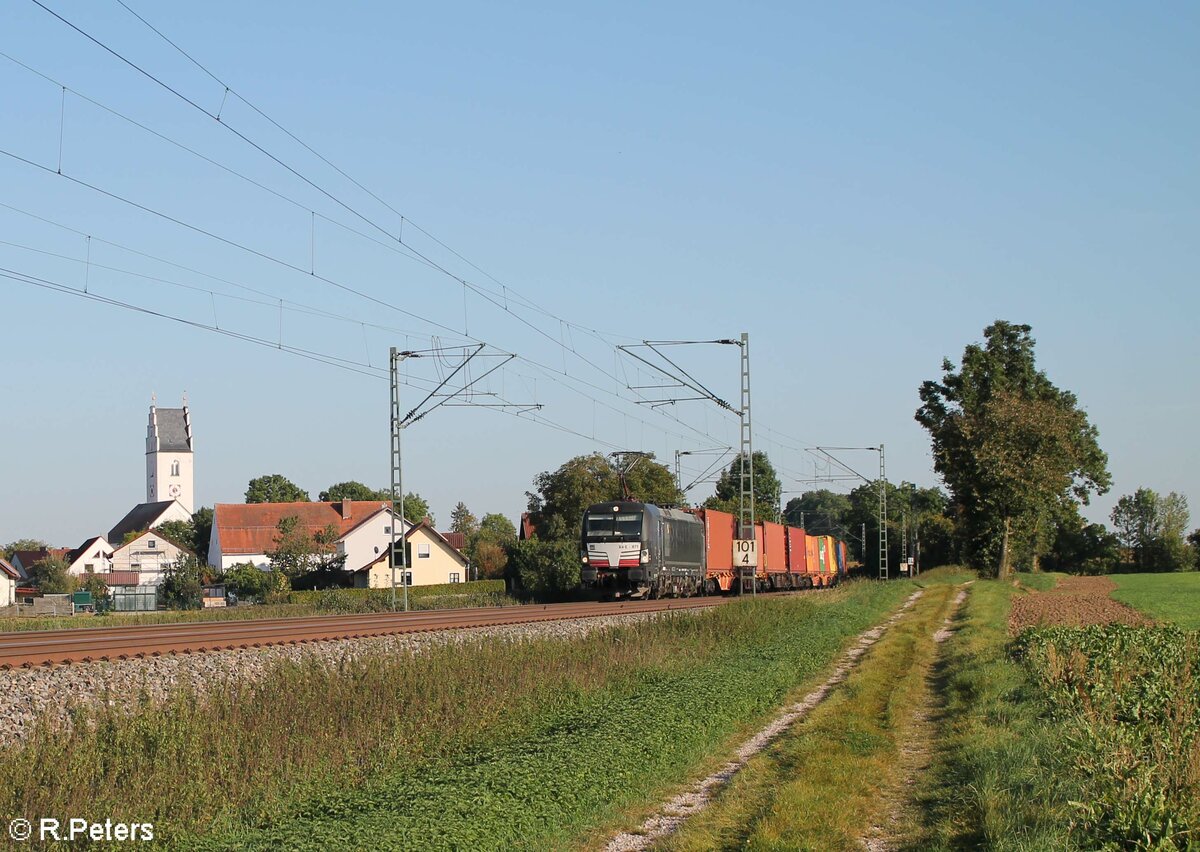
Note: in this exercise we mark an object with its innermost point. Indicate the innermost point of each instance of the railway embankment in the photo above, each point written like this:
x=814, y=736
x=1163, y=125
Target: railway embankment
x=484, y=743
x=53, y=696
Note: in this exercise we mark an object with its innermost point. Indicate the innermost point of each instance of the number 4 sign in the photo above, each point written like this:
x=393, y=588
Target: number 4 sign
x=745, y=553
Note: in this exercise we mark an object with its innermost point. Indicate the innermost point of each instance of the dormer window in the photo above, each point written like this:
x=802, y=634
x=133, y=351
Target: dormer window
x=175, y=468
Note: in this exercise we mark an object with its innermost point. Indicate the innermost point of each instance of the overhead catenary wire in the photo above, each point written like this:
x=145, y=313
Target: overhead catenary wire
x=500, y=299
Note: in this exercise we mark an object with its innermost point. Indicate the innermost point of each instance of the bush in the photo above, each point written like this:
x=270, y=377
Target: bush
x=349, y=601
x=249, y=581
x=182, y=584
x=546, y=569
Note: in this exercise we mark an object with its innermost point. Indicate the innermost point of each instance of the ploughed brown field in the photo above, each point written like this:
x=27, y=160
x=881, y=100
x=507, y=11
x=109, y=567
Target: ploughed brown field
x=1074, y=602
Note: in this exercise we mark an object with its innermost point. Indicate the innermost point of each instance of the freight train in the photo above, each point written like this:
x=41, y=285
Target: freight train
x=634, y=549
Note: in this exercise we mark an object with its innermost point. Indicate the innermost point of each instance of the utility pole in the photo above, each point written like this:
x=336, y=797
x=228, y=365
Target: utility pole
x=863, y=542
x=883, y=536
x=746, y=473
x=395, y=358
x=436, y=398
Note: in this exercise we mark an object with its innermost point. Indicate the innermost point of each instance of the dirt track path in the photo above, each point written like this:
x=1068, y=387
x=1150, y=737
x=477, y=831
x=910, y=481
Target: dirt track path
x=669, y=816
x=899, y=823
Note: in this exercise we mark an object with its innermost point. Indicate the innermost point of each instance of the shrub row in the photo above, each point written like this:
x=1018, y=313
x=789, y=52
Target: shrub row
x=380, y=600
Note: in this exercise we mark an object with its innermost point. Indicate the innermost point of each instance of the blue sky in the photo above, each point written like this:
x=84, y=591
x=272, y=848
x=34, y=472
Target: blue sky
x=861, y=188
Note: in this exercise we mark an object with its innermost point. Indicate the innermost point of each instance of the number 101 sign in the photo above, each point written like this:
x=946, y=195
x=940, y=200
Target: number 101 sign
x=745, y=553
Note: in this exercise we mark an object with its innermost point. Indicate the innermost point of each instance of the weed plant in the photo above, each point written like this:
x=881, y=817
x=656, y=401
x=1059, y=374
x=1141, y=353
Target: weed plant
x=1128, y=699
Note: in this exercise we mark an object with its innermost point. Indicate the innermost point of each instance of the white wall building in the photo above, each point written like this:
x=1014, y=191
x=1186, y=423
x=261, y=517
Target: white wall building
x=148, y=554
x=247, y=532
x=8, y=583
x=94, y=555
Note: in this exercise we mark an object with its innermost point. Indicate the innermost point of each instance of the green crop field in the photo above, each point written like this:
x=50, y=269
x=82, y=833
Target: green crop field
x=1163, y=597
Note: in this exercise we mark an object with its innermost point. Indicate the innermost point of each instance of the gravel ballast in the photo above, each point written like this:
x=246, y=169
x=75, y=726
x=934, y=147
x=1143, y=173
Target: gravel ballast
x=49, y=693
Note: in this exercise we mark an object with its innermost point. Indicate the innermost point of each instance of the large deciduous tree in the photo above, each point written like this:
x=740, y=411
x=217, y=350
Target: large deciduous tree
x=488, y=546
x=1152, y=526
x=352, y=490
x=463, y=521
x=1010, y=446
x=33, y=544
x=563, y=495
x=274, y=488
x=767, y=489
x=415, y=508
x=819, y=512
x=202, y=523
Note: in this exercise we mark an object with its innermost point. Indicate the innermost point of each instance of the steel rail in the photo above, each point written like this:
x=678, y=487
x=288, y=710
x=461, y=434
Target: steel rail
x=50, y=647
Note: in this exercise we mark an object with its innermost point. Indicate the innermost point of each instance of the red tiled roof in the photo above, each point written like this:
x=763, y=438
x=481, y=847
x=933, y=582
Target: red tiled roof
x=250, y=528
x=456, y=540
x=528, y=530
x=120, y=578
x=9, y=570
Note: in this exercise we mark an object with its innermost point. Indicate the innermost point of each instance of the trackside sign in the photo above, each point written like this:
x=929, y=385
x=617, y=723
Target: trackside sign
x=745, y=553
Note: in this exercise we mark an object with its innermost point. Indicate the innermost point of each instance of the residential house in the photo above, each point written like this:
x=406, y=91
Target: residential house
x=430, y=558
x=9, y=578
x=23, y=560
x=94, y=556
x=147, y=516
x=147, y=554
x=247, y=532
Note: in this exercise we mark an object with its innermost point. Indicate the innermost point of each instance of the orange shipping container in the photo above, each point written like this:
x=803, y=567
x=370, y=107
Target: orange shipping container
x=773, y=548
x=797, y=558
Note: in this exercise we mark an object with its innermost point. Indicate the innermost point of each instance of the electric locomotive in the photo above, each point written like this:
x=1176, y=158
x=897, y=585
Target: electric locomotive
x=640, y=550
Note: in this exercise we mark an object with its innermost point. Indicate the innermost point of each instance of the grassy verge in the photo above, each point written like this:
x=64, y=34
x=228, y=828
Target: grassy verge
x=480, y=745
x=820, y=786
x=1163, y=597
x=1001, y=776
x=330, y=602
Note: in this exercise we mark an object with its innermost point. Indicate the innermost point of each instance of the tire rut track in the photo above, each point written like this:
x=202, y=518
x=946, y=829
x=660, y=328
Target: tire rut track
x=672, y=814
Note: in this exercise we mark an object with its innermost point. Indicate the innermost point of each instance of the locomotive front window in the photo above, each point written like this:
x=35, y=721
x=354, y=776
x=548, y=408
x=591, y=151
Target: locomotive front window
x=612, y=523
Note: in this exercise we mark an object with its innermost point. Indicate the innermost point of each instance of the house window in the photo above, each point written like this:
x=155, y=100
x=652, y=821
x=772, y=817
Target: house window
x=387, y=530
x=150, y=543
x=175, y=468
x=422, y=551
x=408, y=578
x=454, y=578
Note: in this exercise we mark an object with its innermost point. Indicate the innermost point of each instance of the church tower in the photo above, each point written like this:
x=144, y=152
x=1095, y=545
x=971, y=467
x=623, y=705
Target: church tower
x=169, y=456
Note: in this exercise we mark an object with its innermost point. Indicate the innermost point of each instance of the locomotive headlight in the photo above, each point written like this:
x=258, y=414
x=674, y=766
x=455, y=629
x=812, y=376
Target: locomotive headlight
x=645, y=556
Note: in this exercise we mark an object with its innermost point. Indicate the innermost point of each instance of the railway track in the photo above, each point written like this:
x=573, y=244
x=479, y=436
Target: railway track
x=53, y=647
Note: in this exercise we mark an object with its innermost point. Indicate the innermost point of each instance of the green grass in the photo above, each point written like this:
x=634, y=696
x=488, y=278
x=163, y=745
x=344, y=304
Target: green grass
x=821, y=785
x=1039, y=582
x=1164, y=597
x=484, y=745
x=1000, y=779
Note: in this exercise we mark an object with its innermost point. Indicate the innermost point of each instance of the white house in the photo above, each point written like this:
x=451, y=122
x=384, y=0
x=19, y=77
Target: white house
x=148, y=554
x=430, y=558
x=93, y=556
x=147, y=516
x=9, y=577
x=247, y=532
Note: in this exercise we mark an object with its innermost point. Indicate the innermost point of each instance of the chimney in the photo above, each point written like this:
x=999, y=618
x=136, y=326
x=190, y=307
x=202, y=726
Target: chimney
x=347, y=509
